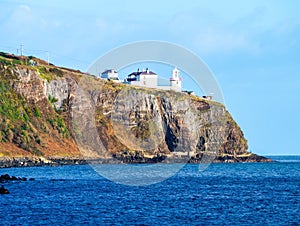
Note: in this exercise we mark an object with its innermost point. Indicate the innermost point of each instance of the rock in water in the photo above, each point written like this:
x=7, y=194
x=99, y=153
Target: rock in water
x=6, y=178
x=3, y=190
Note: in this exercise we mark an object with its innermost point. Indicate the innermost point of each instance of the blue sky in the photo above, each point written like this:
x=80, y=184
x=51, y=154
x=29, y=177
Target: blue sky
x=252, y=47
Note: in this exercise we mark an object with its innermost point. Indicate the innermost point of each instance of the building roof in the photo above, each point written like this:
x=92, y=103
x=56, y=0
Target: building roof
x=108, y=71
x=146, y=72
x=135, y=73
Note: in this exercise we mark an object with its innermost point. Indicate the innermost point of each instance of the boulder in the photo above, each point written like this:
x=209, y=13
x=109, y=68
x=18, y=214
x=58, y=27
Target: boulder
x=3, y=190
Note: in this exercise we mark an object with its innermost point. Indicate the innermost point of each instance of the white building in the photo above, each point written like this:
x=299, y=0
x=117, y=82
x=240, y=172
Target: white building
x=110, y=74
x=144, y=78
x=175, y=80
x=149, y=79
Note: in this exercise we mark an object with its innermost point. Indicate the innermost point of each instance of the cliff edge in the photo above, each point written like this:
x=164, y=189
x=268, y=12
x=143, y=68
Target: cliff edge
x=53, y=115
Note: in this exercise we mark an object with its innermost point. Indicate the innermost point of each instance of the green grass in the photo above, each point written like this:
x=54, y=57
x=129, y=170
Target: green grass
x=60, y=126
x=11, y=104
x=22, y=121
x=56, y=72
x=37, y=112
x=5, y=61
x=49, y=73
x=45, y=74
x=52, y=100
x=12, y=61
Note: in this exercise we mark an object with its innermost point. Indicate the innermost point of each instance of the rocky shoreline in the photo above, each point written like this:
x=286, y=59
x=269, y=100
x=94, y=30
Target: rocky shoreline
x=236, y=159
x=8, y=162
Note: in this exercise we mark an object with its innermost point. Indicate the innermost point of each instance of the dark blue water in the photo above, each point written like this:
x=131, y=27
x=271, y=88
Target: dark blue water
x=223, y=194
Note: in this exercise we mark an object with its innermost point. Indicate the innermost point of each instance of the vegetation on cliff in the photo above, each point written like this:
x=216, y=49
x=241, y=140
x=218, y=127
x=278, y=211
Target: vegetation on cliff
x=46, y=111
x=29, y=126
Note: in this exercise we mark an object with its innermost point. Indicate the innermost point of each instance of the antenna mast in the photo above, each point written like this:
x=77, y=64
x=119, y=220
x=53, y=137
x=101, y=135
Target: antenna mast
x=21, y=49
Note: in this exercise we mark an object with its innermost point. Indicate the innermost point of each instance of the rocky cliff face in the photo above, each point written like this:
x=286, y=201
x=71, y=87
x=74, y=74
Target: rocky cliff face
x=56, y=113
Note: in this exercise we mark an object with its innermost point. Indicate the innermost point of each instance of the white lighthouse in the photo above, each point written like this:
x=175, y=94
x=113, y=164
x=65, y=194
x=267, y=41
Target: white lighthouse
x=175, y=80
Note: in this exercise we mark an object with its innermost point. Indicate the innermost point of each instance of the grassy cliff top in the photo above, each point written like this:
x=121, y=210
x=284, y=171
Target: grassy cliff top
x=37, y=122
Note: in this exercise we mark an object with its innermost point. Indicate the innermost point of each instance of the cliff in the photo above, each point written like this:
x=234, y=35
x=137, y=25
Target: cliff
x=50, y=114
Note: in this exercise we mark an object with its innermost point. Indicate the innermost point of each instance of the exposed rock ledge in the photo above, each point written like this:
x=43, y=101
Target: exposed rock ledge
x=7, y=162
x=50, y=111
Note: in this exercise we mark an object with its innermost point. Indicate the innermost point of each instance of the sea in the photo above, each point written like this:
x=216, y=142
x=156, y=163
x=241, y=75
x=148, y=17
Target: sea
x=215, y=194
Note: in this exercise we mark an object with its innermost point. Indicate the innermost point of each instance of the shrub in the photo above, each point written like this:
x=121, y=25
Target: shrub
x=37, y=112
x=51, y=99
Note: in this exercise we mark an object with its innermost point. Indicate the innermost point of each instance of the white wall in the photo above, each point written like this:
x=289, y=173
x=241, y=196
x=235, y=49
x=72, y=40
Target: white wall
x=149, y=81
x=176, y=86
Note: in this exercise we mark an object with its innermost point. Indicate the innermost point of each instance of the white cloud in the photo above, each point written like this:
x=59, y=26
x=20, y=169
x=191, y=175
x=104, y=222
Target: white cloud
x=22, y=14
x=209, y=33
x=214, y=41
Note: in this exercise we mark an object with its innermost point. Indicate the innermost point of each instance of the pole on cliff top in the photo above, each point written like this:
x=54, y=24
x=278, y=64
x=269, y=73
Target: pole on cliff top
x=21, y=49
x=48, y=56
